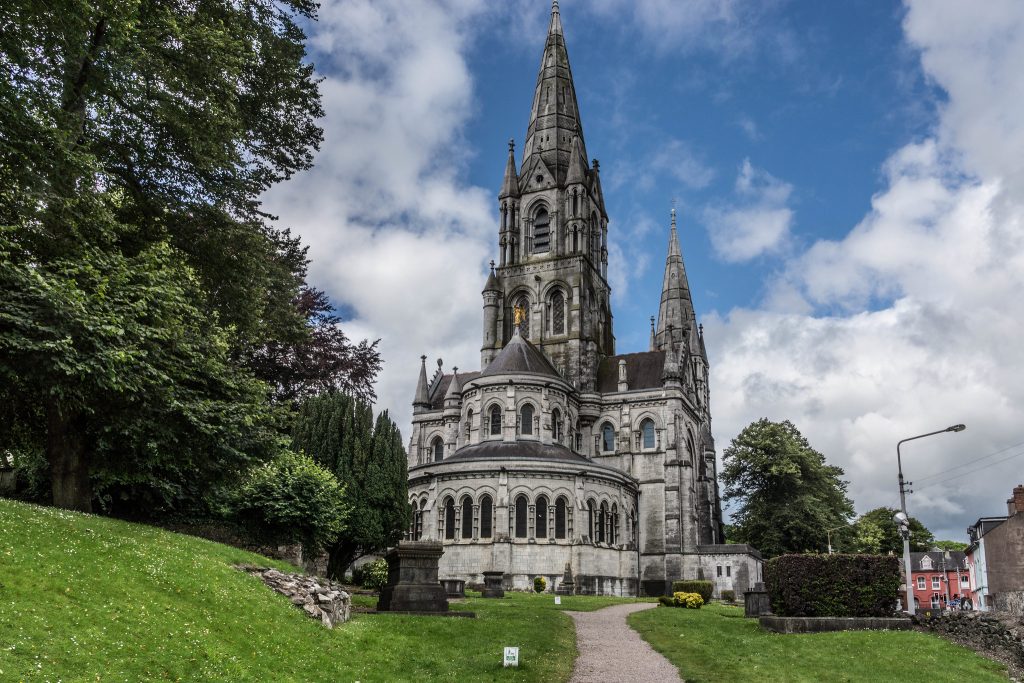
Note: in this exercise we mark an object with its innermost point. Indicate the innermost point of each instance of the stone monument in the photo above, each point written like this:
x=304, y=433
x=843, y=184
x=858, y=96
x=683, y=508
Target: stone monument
x=492, y=585
x=412, y=579
x=567, y=586
x=756, y=601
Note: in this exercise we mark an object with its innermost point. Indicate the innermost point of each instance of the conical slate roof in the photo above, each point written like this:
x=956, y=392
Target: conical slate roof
x=520, y=356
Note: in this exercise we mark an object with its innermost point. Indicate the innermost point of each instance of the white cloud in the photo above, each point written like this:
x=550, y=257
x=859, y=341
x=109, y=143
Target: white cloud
x=759, y=220
x=385, y=210
x=923, y=295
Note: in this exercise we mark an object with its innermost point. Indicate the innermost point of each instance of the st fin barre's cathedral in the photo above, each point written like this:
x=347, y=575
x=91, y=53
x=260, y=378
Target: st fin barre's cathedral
x=560, y=458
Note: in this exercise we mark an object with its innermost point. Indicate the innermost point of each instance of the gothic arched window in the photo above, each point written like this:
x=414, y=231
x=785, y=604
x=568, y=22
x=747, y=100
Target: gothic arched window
x=607, y=437
x=449, y=519
x=590, y=521
x=411, y=534
x=467, y=517
x=437, y=446
x=469, y=422
x=647, y=433
x=523, y=304
x=602, y=520
x=495, y=420
x=613, y=537
x=522, y=515
x=541, y=232
x=557, y=313
x=485, y=517
x=526, y=419
x=556, y=425
x=560, y=517
x=541, y=524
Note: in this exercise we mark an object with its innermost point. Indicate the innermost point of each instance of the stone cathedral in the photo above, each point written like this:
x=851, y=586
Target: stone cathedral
x=561, y=458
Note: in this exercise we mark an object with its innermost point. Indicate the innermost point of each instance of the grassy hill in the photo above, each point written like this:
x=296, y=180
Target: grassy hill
x=86, y=598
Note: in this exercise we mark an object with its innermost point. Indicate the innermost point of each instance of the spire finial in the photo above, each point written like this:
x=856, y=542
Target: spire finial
x=492, y=266
x=673, y=213
x=511, y=145
x=556, y=19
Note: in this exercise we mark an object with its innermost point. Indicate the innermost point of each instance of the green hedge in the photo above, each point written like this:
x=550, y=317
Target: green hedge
x=702, y=588
x=833, y=585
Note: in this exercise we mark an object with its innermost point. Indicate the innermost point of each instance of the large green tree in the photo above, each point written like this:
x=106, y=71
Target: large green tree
x=876, y=533
x=143, y=289
x=368, y=458
x=785, y=495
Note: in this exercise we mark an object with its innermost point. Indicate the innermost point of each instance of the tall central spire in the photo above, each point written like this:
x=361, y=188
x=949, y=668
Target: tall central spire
x=676, y=318
x=554, y=118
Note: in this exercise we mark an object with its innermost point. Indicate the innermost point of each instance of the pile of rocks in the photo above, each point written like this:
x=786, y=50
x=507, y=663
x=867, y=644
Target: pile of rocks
x=319, y=598
x=997, y=635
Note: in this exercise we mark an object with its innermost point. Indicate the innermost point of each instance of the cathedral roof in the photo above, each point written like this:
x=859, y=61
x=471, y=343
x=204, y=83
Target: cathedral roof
x=441, y=390
x=520, y=357
x=643, y=371
x=516, y=450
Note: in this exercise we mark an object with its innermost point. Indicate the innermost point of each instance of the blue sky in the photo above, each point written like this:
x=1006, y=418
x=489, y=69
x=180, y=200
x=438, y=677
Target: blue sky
x=850, y=183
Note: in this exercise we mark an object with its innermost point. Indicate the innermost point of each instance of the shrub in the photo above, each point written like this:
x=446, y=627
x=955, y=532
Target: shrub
x=701, y=588
x=667, y=600
x=833, y=585
x=372, y=575
x=688, y=600
x=540, y=584
x=291, y=499
x=729, y=596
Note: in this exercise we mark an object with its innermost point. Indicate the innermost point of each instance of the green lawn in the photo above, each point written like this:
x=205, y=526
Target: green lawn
x=716, y=643
x=85, y=598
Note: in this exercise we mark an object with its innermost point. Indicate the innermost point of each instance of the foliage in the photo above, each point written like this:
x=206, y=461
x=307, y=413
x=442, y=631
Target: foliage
x=687, y=600
x=875, y=533
x=787, y=497
x=947, y=545
x=833, y=585
x=292, y=499
x=729, y=596
x=540, y=584
x=371, y=575
x=182, y=612
x=666, y=601
x=369, y=459
x=142, y=289
x=701, y=587
x=717, y=644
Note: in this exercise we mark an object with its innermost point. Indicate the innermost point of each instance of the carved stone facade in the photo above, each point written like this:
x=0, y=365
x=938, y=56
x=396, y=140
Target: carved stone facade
x=560, y=452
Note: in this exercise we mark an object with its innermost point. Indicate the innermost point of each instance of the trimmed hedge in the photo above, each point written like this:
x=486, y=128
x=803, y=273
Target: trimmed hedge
x=702, y=588
x=729, y=596
x=833, y=585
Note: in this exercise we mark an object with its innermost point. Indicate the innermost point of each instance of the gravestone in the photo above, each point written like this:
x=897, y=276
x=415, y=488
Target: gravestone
x=454, y=588
x=492, y=585
x=412, y=579
x=567, y=586
x=756, y=601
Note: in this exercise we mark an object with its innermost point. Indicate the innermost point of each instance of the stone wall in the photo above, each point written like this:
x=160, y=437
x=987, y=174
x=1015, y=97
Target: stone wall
x=318, y=598
x=1009, y=601
x=997, y=635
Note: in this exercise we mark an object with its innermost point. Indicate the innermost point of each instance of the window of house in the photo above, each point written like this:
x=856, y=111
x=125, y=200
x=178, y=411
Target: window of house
x=728, y=570
x=485, y=517
x=438, y=448
x=935, y=601
x=936, y=582
x=541, y=521
x=920, y=583
x=467, y=517
x=449, y=519
x=647, y=433
x=965, y=580
x=541, y=232
x=557, y=313
x=607, y=438
x=560, y=518
x=495, y=420
x=526, y=419
x=718, y=570
x=926, y=562
x=522, y=512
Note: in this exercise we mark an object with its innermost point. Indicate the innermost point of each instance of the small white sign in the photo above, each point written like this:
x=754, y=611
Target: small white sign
x=511, y=656
x=558, y=599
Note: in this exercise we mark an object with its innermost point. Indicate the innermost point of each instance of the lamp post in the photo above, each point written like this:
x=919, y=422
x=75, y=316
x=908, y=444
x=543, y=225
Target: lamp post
x=828, y=534
x=904, y=522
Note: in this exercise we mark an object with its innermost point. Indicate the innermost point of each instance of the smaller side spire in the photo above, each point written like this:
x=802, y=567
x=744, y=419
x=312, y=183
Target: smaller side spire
x=492, y=284
x=577, y=164
x=510, y=185
x=454, y=387
x=422, y=398
x=654, y=346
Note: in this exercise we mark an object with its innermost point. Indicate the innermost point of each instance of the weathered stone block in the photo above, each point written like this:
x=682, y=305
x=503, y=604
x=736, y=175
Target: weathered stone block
x=412, y=584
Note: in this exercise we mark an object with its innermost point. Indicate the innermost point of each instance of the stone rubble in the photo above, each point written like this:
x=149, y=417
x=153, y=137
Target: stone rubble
x=319, y=598
x=997, y=635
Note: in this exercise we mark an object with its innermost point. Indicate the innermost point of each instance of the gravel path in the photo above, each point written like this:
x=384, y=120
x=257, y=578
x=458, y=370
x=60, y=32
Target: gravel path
x=612, y=652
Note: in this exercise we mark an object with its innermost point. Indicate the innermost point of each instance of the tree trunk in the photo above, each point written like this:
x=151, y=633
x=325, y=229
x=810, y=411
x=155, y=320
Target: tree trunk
x=339, y=557
x=69, y=463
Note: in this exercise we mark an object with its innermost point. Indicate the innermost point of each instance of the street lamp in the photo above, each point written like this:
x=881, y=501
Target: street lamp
x=904, y=521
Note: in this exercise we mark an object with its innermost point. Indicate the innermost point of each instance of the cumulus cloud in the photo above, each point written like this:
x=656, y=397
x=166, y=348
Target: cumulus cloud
x=757, y=222
x=386, y=211
x=911, y=322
